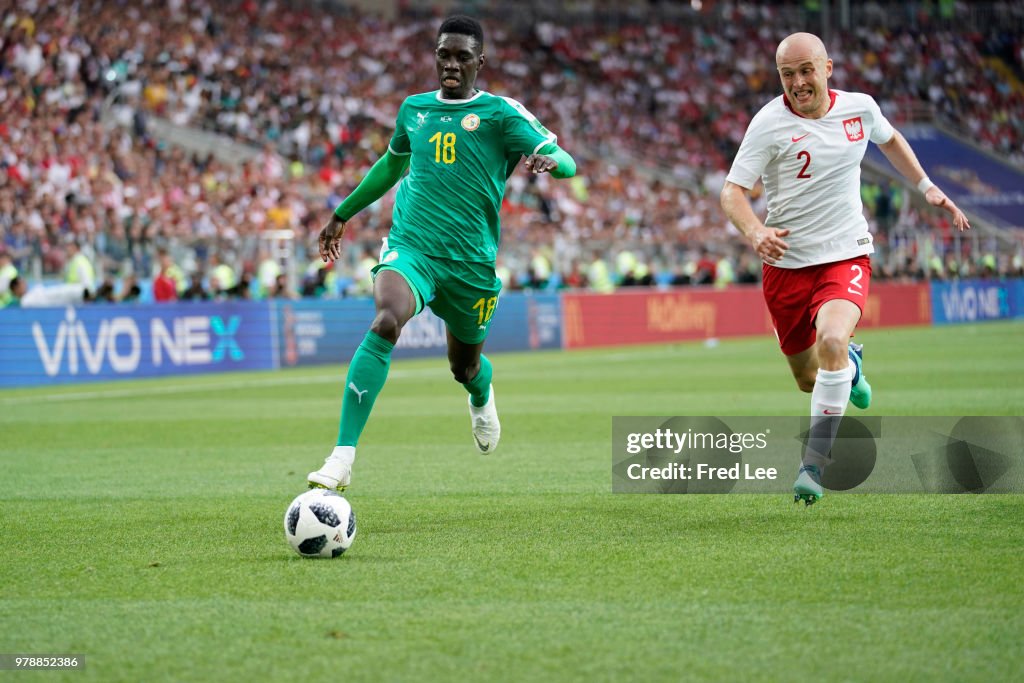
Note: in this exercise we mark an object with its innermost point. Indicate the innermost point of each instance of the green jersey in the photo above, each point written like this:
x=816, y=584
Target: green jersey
x=462, y=153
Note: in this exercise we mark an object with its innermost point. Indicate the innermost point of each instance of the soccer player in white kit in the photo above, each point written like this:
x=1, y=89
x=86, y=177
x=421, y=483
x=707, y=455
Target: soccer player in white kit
x=807, y=145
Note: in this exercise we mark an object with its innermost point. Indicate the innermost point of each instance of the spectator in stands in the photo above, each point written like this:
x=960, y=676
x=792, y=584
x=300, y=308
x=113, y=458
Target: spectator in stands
x=267, y=274
x=56, y=75
x=78, y=269
x=17, y=289
x=317, y=285
x=164, y=287
x=222, y=277
x=7, y=274
x=130, y=290
x=281, y=290
x=707, y=268
x=242, y=289
x=195, y=290
x=104, y=292
x=170, y=270
x=598, y=275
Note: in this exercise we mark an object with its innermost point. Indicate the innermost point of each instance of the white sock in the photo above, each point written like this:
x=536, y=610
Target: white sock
x=828, y=403
x=346, y=454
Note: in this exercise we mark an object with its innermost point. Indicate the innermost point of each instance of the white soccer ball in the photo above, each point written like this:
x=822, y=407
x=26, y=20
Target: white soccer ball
x=320, y=523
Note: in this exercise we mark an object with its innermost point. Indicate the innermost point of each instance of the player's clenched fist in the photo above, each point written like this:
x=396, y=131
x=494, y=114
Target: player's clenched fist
x=330, y=239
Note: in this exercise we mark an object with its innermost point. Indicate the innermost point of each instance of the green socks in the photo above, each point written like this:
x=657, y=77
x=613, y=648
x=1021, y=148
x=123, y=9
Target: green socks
x=479, y=387
x=366, y=376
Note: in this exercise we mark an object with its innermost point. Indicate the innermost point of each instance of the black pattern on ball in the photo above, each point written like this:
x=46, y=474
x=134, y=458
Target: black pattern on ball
x=351, y=523
x=312, y=546
x=293, y=518
x=325, y=513
x=338, y=551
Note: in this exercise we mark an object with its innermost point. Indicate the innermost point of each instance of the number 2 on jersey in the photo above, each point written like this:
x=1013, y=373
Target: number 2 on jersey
x=486, y=309
x=444, y=147
x=803, y=171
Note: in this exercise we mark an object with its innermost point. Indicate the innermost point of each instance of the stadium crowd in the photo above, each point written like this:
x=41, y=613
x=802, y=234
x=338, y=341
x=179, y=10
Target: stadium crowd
x=654, y=110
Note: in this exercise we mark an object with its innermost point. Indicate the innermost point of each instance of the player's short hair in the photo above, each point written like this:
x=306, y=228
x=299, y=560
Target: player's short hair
x=463, y=25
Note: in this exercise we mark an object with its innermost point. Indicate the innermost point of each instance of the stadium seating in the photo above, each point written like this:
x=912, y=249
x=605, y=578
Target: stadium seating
x=654, y=111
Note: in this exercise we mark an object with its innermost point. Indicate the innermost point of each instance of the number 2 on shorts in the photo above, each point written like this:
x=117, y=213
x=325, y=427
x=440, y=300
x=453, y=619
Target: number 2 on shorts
x=855, y=286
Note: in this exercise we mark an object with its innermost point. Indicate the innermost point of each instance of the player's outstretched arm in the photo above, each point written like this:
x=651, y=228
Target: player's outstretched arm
x=903, y=159
x=381, y=177
x=554, y=160
x=767, y=242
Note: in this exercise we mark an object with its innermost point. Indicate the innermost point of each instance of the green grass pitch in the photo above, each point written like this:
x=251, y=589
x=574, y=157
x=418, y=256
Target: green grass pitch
x=142, y=527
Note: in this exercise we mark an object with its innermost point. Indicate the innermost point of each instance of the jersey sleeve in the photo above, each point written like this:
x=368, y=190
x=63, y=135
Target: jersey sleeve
x=523, y=133
x=756, y=151
x=399, y=144
x=881, y=130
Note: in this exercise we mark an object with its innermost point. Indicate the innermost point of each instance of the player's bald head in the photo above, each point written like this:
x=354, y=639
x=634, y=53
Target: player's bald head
x=799, y=48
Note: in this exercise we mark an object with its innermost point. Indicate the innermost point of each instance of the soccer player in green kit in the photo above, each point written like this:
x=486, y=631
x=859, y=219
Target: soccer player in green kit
x=459, y=145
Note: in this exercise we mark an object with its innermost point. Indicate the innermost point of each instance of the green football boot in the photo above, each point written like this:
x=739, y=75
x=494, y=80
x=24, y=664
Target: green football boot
x=807, y=486
x=860, y=392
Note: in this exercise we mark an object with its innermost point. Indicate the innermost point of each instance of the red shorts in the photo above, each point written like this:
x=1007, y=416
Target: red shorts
x=794, y=296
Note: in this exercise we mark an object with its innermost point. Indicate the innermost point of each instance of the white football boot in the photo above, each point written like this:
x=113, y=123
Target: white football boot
x=336, y=473
x=486, y=428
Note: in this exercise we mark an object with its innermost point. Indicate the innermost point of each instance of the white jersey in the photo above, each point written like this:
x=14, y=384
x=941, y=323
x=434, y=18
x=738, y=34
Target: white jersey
x=811, y=174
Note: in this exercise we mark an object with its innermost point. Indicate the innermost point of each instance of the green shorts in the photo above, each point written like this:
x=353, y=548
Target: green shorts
x=462, y=294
